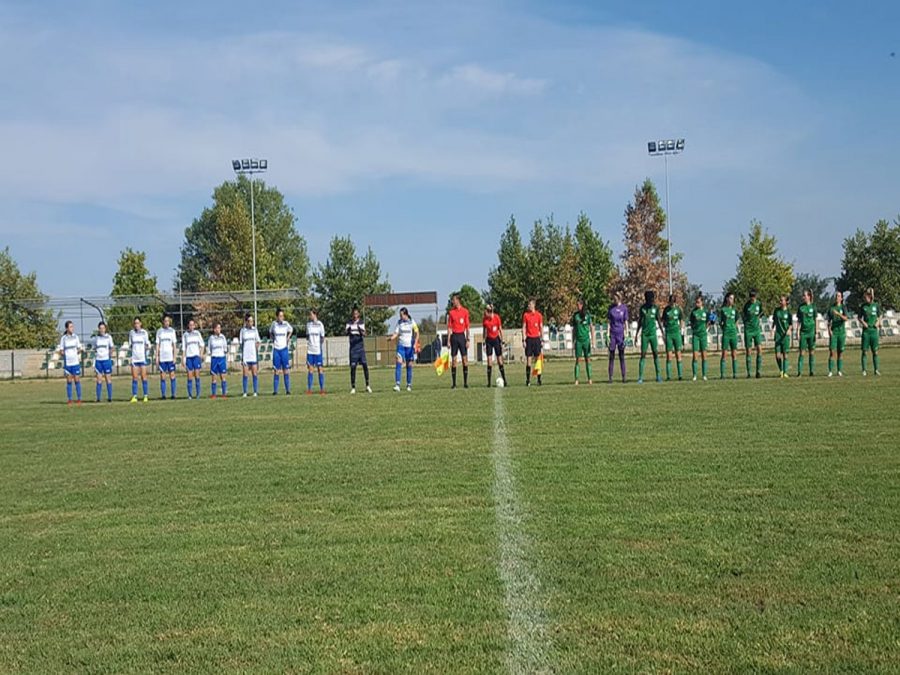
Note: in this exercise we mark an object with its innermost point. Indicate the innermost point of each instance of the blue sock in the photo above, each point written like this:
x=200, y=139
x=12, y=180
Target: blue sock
x=321, y=381
x=78, y=389
x=213, y=387
x=146, y=386
x=69, y=390
x=224, y=388
x=162, y=388
x=309, y=379
x=256, y=384
x=244, y=384
x=99, y=390
x=134, y=387
x=277, y=377
x=109, y=391
x=190, y=387
x=173, y=387
x=397, y=369
x=408, y=375
x=287, y=383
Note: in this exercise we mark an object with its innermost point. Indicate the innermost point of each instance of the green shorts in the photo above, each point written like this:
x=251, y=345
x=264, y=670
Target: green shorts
x=752, y=340
x=807, y=341
x=783, y=343
x=870, y=339
x=838, y=341
x=699, y=342
x=648, y=341
x=729, y=341
x=674, y=342
x=582, y=349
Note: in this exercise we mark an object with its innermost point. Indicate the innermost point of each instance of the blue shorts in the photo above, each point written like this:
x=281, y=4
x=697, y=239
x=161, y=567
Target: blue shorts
x=138, y=364
x=74, y=371
x=249, y=364
x=218, y=366
x=281, y=359
x=167, y=367
x=314, y=360
x=192, y=363
x=406, y=354
x=103, y=367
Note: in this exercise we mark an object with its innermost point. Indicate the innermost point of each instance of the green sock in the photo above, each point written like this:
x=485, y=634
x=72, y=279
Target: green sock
x=734, y=367
x=800, y=364
x=704, y=368
x=840, y=364
x=587, y=367
x=875, y=360
x=641, y=368
x=694, y=367
x=784, y=365
x=830, y=364
x=758, y=364
x=864, y=361
x=722, y=369
x=679, y=368
x=577, y=370
x=747, y=361
x=812, y=363
x=656, y=365
x=668, y=369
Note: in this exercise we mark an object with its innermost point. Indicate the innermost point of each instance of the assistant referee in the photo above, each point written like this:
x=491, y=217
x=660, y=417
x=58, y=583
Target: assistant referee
x=458, y=335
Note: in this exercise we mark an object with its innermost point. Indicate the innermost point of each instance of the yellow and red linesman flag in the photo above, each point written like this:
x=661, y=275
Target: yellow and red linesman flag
x=538, y=366
x=442, y=363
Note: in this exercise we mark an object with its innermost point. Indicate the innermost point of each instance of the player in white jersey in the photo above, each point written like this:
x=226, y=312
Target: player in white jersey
x=139, y=342
x=250, y=353
x=70, y=348
x=281, y=331
x=166, y=341
x=104, y=350
x=315, y=337
x=218, y=360
x=192, y=347
x=406, y=334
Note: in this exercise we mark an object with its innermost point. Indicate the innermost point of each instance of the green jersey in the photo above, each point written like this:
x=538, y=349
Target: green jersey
x=806, y=317
x=649, y=316
x=750, y=316
x=581, y=325
x=869, y=314
x=836, y=318
x=783, y=320
x=672, y=317
x=699, y=319
x=728, y=320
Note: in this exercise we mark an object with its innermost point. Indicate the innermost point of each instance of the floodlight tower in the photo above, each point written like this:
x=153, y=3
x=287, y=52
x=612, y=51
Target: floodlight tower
x=664, y=148
x=250, y=167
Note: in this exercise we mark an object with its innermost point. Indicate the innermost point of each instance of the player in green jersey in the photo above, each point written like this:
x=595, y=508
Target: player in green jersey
x=784, y=321
x=806, y=322
x=699, y=321
x=648, y=320
x=673, y=329
x=837, y=334
x=750, y=315
x=583, y=329
x=728, y=329
x=869, y=319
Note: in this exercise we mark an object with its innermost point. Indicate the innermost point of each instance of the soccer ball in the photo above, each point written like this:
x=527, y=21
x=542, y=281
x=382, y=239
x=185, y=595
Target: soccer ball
x=500, y=382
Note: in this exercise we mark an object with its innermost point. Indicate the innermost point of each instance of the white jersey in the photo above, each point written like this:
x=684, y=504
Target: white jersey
x=70, y=346
x=104, y=346
x=218, y=346
x=192, y=343
x=139, y=342
x=281, y=334
x=165, y=344
x=249, y=340
x=315, y=334
x=405, y=332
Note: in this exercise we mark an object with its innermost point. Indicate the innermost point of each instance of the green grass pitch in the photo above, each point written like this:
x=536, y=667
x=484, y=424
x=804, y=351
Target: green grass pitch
x=721, y=526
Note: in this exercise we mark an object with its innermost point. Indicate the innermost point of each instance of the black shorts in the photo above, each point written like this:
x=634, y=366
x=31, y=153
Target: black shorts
x=458, y=344
x=493, y=346
x=358, y=358
x=533, y=346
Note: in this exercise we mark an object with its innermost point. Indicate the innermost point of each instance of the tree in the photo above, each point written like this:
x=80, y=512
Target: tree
x=596, y=268
x=427, y=326
x=506, y=281
x=645, y=264
x=471, y=298
x=343, y=281
x=819, y=287
x=551, y=270
x=873, y=261
x=760, y=267
x=218, y=247
x=132, y=278
x=24, y=324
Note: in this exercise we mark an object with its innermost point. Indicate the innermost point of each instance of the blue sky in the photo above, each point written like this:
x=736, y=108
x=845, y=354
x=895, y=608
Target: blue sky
x=420, y=124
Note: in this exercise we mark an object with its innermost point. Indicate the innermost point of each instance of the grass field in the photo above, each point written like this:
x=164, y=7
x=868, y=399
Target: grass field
x=720, y=526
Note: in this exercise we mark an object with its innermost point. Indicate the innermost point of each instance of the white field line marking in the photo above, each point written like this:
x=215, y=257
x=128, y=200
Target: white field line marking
x=529, y=643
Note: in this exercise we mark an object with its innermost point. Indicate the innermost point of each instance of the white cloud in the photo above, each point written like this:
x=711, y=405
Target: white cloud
x=494, y=82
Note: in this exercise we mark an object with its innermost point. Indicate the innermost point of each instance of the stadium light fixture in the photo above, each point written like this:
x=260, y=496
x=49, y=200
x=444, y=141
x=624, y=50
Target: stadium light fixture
x=663, y=148
x=251, y=167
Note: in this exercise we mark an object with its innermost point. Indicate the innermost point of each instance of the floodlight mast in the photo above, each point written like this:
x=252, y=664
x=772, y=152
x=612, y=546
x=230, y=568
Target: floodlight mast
x=249, y=167
x=664, y=148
